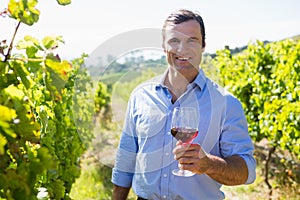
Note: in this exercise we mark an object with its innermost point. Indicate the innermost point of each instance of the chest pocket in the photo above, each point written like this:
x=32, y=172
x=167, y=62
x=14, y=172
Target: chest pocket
x=151, y=120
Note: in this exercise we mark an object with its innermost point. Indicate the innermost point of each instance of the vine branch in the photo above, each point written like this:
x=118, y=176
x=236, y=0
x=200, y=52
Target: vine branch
x=29, y=59
x=268, y=159
x=7, y=56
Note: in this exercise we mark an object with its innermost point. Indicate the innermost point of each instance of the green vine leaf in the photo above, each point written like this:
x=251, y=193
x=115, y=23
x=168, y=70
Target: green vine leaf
x=52, y=42
x=22, y=73
x=6, y=117
x=24, y=11
x=28, y=42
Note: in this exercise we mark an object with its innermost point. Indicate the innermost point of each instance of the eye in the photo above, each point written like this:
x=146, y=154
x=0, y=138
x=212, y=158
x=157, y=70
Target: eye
x=173, y=41
x=193, y=40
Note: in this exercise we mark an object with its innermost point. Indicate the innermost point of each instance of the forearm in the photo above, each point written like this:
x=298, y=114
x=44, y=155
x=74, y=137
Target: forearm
x=120, y=193
x=228, y=171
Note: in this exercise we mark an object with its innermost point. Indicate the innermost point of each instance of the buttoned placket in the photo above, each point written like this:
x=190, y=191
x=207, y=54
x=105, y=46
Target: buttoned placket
x=168, y=139
x=167, y=149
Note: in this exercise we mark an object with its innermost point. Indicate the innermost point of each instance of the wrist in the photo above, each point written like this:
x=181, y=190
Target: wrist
x=216, y=165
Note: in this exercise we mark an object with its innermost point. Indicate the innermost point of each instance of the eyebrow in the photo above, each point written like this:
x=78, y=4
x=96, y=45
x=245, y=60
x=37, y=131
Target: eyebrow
x=195, y=38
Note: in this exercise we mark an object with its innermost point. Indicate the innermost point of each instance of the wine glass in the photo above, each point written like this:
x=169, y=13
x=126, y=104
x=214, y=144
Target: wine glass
x=184, y=127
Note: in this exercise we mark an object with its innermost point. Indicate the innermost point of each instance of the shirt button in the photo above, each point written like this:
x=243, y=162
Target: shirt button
x=165, y=175
x=164, y=196
x=167, y=154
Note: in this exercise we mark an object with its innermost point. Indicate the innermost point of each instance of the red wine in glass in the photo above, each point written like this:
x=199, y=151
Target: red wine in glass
x=184, y=127
x=185, y=135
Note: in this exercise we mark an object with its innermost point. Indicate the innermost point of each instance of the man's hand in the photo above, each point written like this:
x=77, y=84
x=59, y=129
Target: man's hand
x=229, y=171
x=191, y=157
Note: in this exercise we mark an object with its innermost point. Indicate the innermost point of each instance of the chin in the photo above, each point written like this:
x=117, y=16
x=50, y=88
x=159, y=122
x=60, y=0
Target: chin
x=182, y=67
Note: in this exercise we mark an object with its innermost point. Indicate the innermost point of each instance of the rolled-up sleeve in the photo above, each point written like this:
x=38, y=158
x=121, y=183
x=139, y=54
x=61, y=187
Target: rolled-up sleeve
x=124, y=167
x=235, y=139
x=251, y=164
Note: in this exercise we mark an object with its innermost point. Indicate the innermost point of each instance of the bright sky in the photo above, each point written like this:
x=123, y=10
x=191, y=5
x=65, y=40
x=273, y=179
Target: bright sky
x=86, y=24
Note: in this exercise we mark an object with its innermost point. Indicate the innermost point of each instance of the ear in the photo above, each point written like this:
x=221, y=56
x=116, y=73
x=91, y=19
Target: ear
x=203, y=47
x=163, y=46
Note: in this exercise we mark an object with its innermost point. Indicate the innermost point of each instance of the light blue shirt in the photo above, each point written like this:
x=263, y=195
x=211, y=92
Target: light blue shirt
x=144, y=158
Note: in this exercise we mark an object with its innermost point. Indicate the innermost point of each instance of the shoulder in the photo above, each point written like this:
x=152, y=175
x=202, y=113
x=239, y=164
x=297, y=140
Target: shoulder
x=222, y=94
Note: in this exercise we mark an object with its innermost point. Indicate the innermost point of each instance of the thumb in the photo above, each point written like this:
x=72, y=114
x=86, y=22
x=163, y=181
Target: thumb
x=202, y=153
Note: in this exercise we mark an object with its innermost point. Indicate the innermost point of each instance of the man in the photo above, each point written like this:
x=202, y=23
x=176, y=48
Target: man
x=222, y=153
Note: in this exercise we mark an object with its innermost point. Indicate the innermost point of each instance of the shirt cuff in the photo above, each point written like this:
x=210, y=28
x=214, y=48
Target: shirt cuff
x=123, y=179
x=251, y=164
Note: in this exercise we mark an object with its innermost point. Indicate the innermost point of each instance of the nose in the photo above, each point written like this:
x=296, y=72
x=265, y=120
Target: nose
x=182, y=47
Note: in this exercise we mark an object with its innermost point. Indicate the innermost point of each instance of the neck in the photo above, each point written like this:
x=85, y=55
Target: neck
x=177, y=83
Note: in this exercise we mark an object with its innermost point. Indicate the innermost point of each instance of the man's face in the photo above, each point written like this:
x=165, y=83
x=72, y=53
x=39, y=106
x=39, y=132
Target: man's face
x=183, y=46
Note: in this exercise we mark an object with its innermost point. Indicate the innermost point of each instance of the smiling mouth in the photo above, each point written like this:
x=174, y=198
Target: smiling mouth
x=182, y=58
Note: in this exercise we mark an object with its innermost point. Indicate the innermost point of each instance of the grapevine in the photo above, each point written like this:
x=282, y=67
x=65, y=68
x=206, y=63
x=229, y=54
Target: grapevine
x=40, y=142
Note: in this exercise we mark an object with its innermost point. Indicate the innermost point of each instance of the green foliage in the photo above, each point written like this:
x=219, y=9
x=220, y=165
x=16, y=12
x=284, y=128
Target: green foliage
x=43, y=130
x=102, y=97
x=83, y=102
x=266, y=78
x=40, y=145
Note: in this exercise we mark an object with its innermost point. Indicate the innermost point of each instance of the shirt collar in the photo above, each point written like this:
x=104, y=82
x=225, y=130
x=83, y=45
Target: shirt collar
x=200, y=79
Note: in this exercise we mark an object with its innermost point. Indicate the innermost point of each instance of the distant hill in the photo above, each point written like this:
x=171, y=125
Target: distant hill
x=297, y=37
x=239, y=49
x=135, y=63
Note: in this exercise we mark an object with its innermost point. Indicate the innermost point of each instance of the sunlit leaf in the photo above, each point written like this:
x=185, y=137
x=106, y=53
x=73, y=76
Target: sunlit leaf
x=58, y=73
x=64, y=2
x=6, y=118
x=7, y=114
x=24, y=11
x=52, y=42
x=3, y=142
x=14, y=92
x=29, y=42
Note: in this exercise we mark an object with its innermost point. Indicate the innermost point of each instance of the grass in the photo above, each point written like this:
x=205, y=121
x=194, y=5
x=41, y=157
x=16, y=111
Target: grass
x=93, y=182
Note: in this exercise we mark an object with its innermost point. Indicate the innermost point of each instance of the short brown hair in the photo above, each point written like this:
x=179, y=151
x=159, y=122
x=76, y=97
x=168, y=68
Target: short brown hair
x=183, y=15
